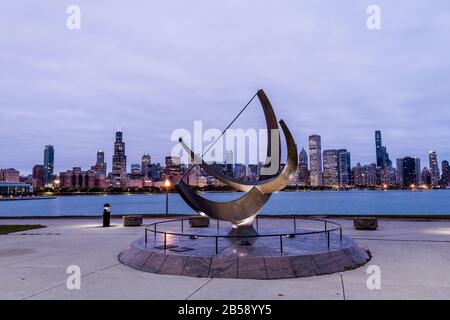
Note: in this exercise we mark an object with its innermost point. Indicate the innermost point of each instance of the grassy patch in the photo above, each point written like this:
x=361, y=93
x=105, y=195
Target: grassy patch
x=9, y=228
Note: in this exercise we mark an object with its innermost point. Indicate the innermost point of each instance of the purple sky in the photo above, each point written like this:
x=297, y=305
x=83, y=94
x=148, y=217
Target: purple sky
x=153, y=66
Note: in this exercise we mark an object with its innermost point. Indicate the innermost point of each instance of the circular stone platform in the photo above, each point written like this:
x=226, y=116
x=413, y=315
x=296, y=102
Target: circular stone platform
x=249, y=258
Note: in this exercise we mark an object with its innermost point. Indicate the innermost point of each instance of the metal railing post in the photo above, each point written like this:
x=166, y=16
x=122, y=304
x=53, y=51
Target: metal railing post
x=217, y=245
x=328, y=239
x=154, y=230
x=165, y=241
x=340, y=235
x=182, y=225
x=146, y=236
x=281, y=244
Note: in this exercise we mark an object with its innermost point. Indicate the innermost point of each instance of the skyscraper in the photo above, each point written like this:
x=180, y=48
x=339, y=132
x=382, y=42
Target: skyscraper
x=426, y=177
x=119, y=159
x=382, y=155
x=100, y=164
x=315, y=160
x=303, y=174
x=378, y=145
x=410, y=173
x=136, y=171
x=388, y=176
x=155, y=171
x=445, y=179
x=9, y=175
x=345, y=172
x=331, y=168
x=229, y=162
x=173, y=167
x=434, y=169
x=49, y=163
x=358, y=175
x=399, y=166
x=370, y=175
x=418, y=172
x=38, y=176
x=146, y=163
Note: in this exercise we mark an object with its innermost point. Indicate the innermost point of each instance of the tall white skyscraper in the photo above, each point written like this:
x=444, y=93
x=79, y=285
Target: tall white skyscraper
x=434, y=169
x=315, y=160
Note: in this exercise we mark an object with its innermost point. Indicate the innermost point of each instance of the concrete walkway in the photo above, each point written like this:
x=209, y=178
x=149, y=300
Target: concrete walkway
x=413, y=256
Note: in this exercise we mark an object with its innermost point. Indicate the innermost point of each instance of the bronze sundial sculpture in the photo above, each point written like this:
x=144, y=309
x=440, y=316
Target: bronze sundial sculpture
x=242, y=211
x=245, y=254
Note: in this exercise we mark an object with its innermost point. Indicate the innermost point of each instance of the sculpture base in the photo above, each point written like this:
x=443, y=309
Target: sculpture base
x=243, y=231
x=264, y=257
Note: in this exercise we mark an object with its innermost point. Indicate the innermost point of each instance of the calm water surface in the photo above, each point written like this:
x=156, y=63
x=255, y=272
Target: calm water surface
x=434, y=202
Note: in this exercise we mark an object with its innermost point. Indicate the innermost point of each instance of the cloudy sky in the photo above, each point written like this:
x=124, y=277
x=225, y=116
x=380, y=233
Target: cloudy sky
x=150, y=67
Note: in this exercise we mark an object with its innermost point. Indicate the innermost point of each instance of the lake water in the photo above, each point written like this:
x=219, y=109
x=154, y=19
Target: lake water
x=433, y=202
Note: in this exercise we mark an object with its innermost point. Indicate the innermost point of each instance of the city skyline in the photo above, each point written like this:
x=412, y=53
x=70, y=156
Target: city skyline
x=161, y=158
x=328, y=168
x=323, y=69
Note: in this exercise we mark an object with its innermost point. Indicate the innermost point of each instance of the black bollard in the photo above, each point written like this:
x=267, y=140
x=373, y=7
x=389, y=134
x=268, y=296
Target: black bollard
x=106, y=215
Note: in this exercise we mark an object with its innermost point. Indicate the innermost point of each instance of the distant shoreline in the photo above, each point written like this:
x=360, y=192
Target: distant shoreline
x=28, y=198
x=51, y=195
x=421, y=217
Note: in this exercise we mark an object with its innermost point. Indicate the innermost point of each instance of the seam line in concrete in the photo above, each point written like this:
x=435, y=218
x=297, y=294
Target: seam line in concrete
x=343, y=287
x=401, y=240
x=59, y=285
x=199, y=288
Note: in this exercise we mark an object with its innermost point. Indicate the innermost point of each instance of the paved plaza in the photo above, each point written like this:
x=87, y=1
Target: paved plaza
x=413, y=257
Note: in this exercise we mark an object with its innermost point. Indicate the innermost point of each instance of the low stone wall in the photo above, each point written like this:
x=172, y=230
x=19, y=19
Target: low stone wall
x=132, y=221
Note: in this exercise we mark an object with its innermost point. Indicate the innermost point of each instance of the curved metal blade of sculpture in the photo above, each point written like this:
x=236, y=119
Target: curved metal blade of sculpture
x=242, y=211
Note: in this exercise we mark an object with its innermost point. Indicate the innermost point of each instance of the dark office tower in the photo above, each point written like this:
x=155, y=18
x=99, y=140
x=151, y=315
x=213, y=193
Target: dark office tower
x=382, y=155
x=315, y=160
x=434, y=169
x=378, y=148
x=303, y=174
x=119, y=159
x=426, y=177
x=385, y=161
x=345, y=170
x=331, y=168
x=100, y=164
x=146, y=166
x=445, y=179
x=49, y=163
x=410, y=174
